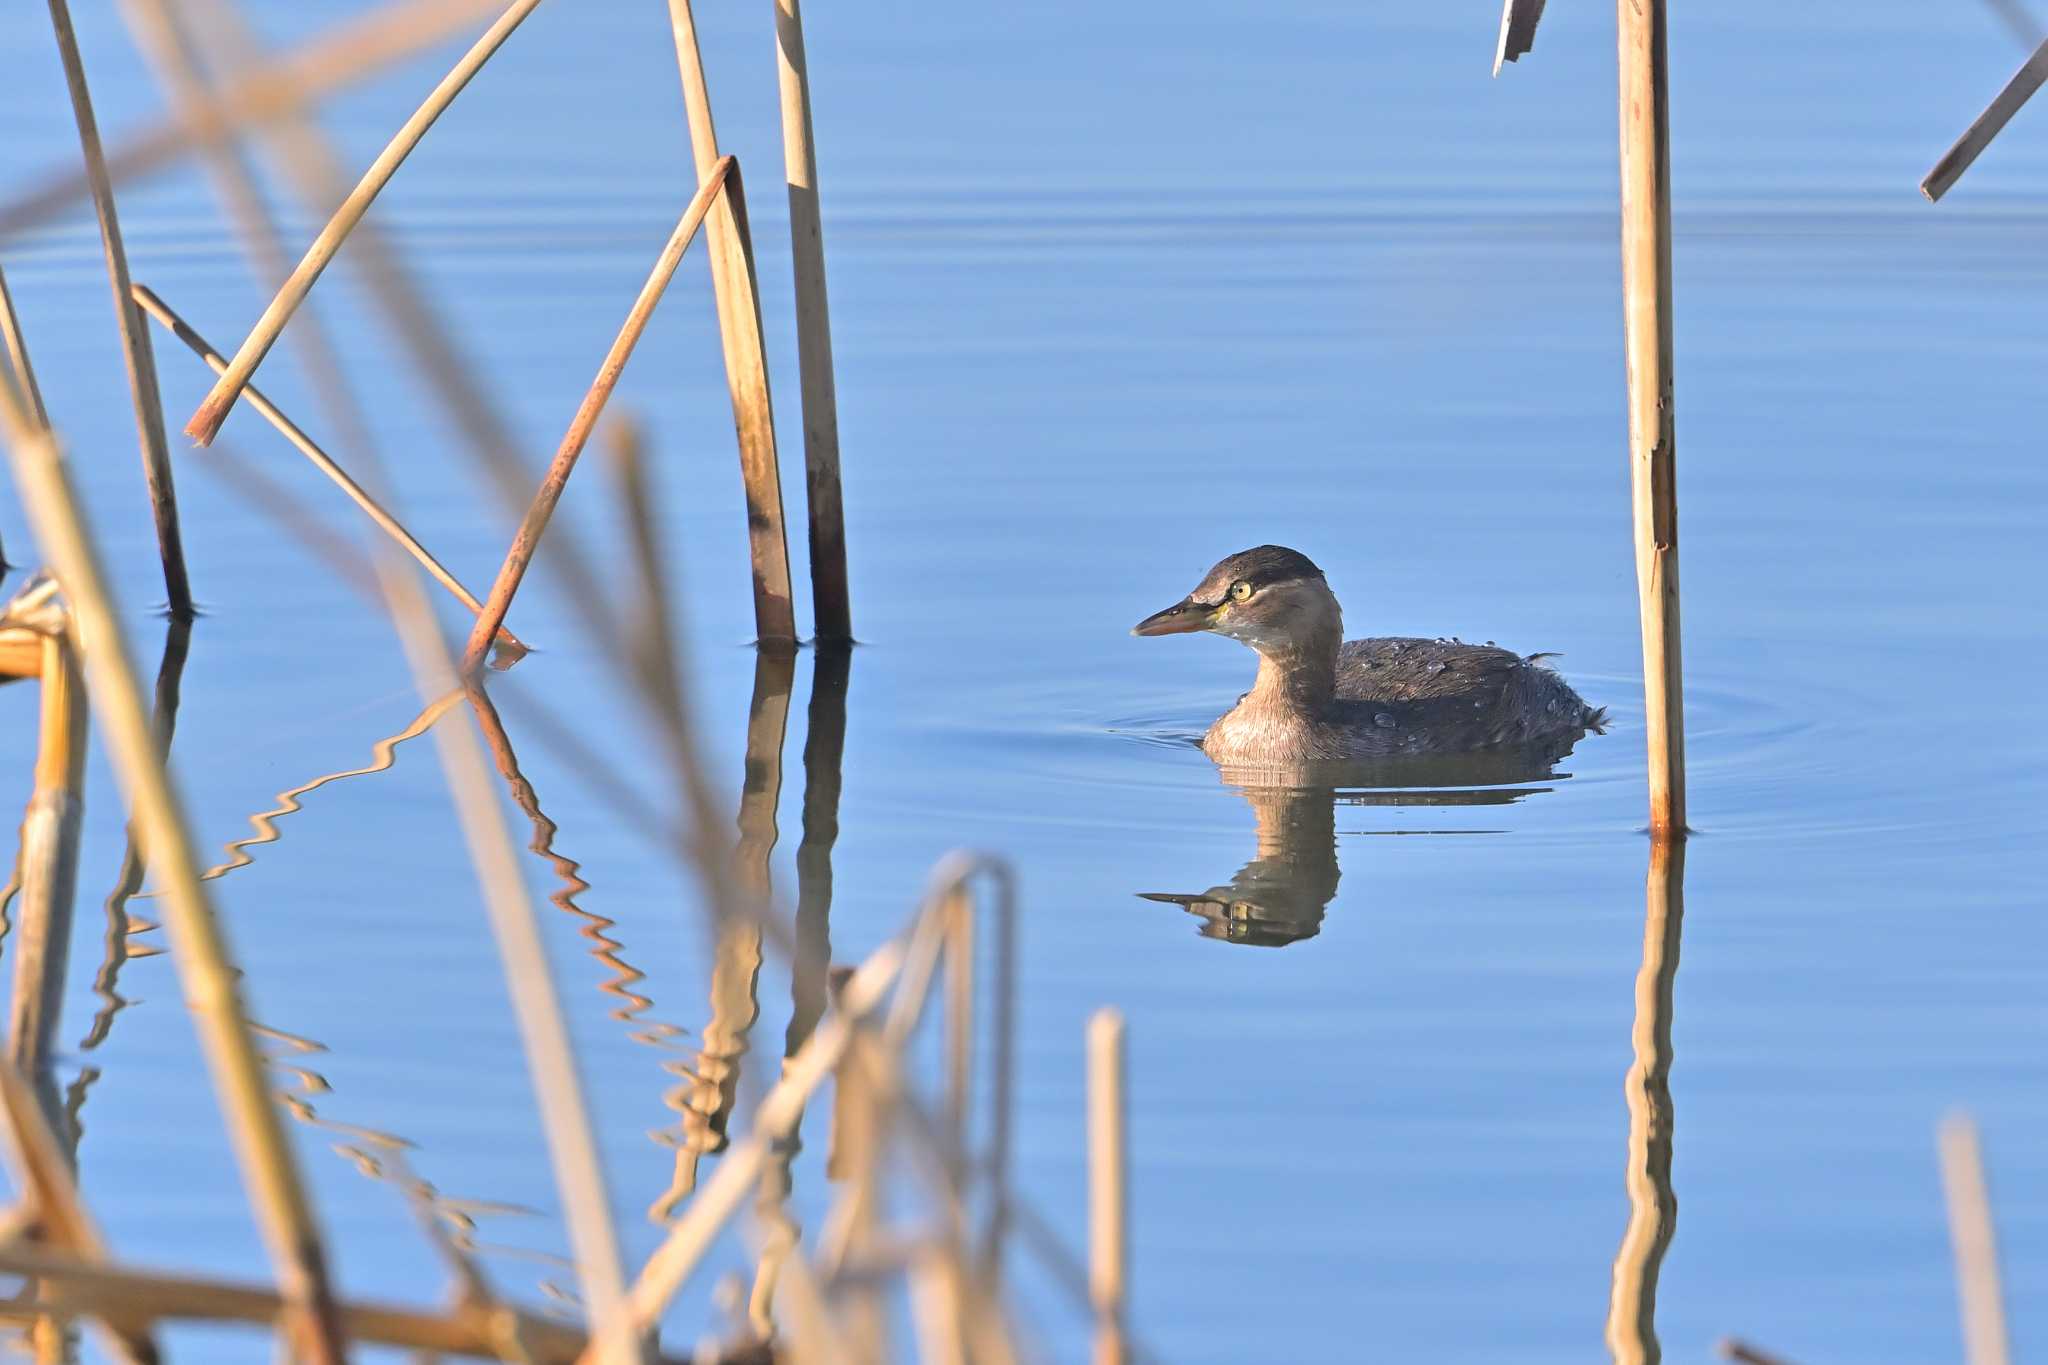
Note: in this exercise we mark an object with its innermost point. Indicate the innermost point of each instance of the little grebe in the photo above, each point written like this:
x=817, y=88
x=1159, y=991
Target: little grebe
x=1320, y=697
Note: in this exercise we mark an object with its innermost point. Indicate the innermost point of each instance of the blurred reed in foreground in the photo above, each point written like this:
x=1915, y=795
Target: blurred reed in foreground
x=936, y=1248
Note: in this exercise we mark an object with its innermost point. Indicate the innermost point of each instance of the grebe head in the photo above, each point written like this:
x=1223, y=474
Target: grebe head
x=1270, y=597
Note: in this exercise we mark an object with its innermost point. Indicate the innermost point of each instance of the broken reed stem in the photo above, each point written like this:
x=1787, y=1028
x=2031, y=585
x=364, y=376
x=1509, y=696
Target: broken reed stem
x=2017, y=91
x=535, y=523
x=731, y=249
x=204, y=964
x=295, y=80
x=49, y=868
x=213, y=410
x=831, y=608
x=322, y=461
x=1976, y=1243
x=1108, y=1176
x=141, y=362
x=1653, y=473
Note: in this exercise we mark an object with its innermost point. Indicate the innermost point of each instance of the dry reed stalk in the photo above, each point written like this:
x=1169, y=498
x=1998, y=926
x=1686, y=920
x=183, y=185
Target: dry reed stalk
x=959, y=913
x=733, y=281
x=43, y=1173
x=140, y=360
x=213, y=410
x=295, y=80
x=321, y=460
x=201, y=953
x=1653, y=471
x=21, y=653
x=725, y=1193
x=542, y=508
x=1988, y=125
x=1109, y=1159
x=550, y=1057
x=24, y=374
x=1976, y=1243
x=831, y=608
x=167, y=42
x=1653, y=1207
x=467, y=1330
x=49, y=870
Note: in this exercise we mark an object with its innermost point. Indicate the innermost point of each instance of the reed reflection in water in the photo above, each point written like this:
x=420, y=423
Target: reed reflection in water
x=1653, y=1205
x=1280, y=896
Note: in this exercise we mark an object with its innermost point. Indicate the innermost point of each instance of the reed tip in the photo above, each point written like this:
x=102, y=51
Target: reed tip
x=206, y=422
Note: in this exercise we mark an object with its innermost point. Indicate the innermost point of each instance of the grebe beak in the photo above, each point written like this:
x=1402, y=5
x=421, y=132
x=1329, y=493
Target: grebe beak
x=1182, y=617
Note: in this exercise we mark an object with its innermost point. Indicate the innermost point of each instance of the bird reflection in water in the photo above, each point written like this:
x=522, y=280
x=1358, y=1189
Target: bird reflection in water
x=1280, y=896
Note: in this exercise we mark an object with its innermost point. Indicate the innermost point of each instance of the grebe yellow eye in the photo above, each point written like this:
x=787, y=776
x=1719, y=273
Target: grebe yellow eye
x=1240, y=591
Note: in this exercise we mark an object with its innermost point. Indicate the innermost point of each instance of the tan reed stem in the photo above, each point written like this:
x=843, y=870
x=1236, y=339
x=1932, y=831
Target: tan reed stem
x=1653, y=1207
x=960, y=965
x=1109, y=1159
x=322, y=461
x=1976, y=1243
x=141, y=361
x=535, y=523
x=731, y=249
x=164, y=36
x=831, y=607
x=213, y=410
x=1653, y=471
x=467, y=1330
x=2017, y=91
x=550, y=1055
x=294, y=80
x=17, y=356
x=49, y=868
x=43, y=1173
x=201, y=953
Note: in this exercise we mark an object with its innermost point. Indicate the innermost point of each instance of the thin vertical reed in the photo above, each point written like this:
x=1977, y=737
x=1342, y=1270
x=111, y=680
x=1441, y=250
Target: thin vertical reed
x=141, y=361
x=321, y=460
x=959, y=915
x=213, y=410
x=49, y=870
x=832, y=612
x=1976, y=1244
x=1653, y=1207
x=1108, y=1192
x=1653, y=473
x=538, y=513
x=746, y=364
x=269, y=1167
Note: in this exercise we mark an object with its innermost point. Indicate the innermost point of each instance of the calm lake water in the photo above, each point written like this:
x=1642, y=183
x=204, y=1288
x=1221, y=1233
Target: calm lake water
x=1118, y=291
